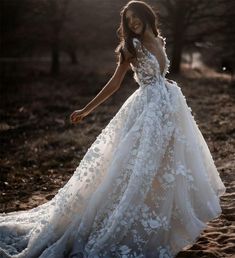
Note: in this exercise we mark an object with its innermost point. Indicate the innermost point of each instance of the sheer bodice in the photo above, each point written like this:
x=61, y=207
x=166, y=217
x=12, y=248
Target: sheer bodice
x=147, y=69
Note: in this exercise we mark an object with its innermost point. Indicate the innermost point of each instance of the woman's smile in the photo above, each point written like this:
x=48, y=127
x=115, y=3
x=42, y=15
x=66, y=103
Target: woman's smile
x=135, y=26
x=134, y=23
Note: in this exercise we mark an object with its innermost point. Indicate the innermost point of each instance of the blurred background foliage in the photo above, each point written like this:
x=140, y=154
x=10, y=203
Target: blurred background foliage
x=57, y=31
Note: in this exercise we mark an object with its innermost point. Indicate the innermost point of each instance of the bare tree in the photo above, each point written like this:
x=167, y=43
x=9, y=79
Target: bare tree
x=57, y=14
x=227, y=50
x=187, y=22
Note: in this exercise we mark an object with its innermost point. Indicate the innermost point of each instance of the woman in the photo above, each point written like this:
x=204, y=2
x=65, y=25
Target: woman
x=148, y=184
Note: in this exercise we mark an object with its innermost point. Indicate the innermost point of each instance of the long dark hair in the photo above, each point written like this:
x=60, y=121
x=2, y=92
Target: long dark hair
x=148, y=17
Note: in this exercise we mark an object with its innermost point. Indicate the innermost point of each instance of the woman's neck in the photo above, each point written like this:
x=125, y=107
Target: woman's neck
x=148, y=36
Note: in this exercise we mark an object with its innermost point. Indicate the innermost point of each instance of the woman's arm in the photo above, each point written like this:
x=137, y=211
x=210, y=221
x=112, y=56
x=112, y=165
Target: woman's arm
x=112, y=86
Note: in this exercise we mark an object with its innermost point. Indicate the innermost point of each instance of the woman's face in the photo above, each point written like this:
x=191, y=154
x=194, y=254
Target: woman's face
x=134, y=23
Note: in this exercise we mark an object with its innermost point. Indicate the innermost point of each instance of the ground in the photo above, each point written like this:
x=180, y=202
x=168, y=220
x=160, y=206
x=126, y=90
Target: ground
x=40, y=149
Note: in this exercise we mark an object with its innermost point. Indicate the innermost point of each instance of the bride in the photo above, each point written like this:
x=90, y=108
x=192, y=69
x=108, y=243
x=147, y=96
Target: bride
x=146, y=187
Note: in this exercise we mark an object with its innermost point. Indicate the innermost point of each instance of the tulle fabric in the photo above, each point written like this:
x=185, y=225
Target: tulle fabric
x=145, y=188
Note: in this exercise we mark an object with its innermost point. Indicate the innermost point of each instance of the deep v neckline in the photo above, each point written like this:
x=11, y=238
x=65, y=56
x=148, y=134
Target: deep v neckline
x=148, y=51
x=151, y=54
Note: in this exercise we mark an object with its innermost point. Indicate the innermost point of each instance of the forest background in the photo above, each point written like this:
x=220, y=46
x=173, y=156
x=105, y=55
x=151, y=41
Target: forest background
x=56, y=55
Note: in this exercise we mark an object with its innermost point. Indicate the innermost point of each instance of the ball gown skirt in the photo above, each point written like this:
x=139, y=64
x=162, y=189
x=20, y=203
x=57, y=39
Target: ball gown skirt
x=146, y=187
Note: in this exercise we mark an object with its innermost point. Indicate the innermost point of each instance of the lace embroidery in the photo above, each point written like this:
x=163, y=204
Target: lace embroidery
x=147, y=70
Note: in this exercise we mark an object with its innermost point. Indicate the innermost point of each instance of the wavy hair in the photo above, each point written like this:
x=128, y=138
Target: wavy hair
x=148, y=17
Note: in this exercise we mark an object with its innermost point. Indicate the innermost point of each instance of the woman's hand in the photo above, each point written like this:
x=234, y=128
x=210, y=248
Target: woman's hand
x=77, y=116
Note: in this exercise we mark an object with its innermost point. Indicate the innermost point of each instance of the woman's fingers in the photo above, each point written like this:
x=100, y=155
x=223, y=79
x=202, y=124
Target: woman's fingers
x=76, y=118
x=72, y=116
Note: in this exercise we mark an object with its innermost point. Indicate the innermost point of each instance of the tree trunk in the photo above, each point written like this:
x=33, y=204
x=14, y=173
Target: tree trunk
x=58, y=11
x=73, y=57
x=176, y=54
x=178, y=35
x=55, y=58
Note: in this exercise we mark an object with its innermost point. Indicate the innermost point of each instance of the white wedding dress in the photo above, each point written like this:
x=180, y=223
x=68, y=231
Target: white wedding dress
x=145, y=188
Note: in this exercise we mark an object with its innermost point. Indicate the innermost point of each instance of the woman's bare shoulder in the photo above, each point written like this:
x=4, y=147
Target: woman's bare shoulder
x=161, y=40
x=127, y=54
